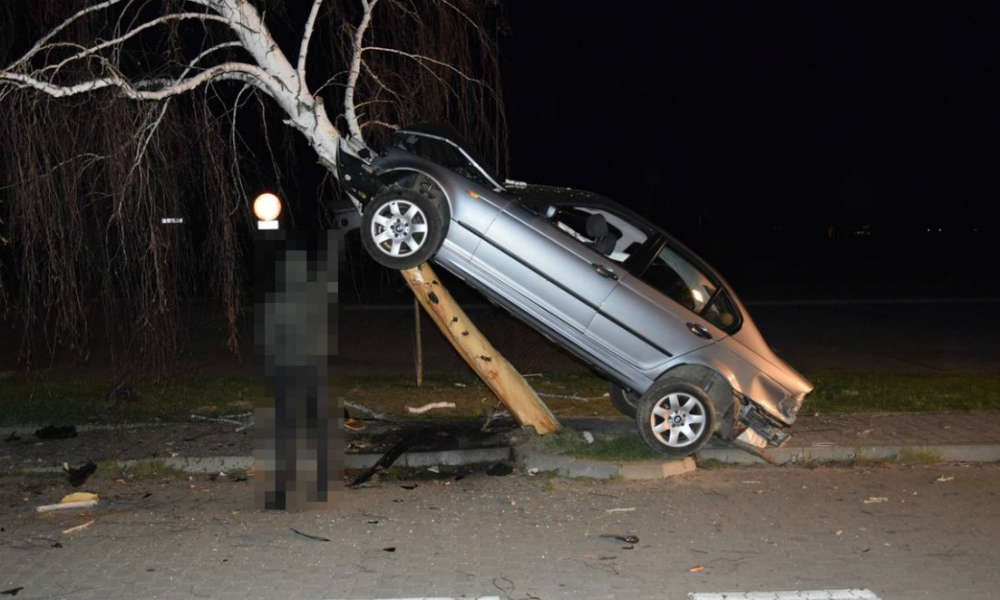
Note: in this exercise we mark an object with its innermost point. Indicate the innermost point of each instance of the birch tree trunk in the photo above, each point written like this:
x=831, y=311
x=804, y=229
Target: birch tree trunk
x=495, y=371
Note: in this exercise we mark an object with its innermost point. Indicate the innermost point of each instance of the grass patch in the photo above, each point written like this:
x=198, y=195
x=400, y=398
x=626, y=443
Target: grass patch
x=71, y=399
x=139, y=470
x=626, y=447
x=912, y=456
x=711, y=464
x=893, y=392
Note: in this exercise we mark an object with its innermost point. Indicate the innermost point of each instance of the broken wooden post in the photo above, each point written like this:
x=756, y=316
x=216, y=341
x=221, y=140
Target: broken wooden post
x=419, y=350
x=492, y=368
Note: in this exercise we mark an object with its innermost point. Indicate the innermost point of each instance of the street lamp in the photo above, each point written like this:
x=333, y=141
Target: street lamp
x=267, y=208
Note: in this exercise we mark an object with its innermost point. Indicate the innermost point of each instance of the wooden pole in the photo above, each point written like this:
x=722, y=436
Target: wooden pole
x=492, y=368
x=419, y=353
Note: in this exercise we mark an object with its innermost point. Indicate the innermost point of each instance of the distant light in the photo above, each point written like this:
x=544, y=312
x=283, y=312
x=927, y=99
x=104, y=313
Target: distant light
x=172, y=221
x=267, y=207
x=697, y=296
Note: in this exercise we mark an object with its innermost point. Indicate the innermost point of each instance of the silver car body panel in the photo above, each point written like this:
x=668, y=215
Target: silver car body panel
x=588, y=304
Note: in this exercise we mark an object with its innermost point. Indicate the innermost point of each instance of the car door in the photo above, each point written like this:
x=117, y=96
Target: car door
x=661, y=311
x=553, y=275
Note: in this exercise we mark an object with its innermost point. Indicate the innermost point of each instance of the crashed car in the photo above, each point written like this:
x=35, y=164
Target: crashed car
x=681, y=352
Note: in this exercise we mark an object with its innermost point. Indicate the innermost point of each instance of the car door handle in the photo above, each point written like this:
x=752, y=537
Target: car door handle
x=604, y=271
x=699, y=330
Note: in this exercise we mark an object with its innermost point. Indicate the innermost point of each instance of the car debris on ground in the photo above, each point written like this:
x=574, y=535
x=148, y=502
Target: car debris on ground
x=77, y=476
x=310, y=536
x=391, y=455
x=71, y=501
x=628, y=539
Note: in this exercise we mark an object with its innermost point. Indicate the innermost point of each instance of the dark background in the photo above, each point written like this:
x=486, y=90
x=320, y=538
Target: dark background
x=834, y=149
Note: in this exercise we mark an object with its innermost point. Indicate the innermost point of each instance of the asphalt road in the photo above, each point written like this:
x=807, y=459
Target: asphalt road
x=904, y=532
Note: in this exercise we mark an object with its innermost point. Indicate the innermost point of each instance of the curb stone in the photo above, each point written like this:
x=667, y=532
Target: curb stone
x=215, y=464
x=797, y=455
x=568, y=466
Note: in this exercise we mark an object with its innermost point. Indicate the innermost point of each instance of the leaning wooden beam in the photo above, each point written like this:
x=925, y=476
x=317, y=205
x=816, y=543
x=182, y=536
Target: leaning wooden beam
x=492, y=368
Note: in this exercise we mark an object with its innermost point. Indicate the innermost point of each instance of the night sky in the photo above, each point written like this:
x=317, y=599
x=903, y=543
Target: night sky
x=776, y=138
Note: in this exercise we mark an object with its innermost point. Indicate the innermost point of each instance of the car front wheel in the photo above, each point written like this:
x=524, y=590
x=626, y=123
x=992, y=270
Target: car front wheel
x=403, y=228
x=675, y=417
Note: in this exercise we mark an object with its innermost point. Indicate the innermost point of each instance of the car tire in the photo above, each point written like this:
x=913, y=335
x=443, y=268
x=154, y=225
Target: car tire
x=675, y=417
x=403, y=228
x=622, y=399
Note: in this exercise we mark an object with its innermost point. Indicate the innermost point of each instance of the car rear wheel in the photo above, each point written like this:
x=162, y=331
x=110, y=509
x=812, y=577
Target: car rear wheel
x=402, y=228
x=675, y=417
x=622, y=399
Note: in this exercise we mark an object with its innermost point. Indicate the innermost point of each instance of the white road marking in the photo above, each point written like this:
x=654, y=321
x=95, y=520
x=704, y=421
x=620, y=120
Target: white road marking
x=854, y=594
x=437, y=598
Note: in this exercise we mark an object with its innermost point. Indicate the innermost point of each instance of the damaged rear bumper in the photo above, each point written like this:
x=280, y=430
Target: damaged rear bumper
x=754, y=428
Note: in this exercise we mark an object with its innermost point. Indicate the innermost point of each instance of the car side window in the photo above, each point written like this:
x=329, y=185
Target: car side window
x=442, y=153
x=686, y=284
x=601, y=230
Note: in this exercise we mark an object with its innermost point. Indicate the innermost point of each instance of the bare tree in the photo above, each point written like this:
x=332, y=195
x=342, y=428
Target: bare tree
x=119, y=113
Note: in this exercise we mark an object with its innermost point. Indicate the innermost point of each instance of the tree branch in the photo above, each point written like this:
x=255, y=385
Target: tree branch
x=421, y=58
x=129, y=34
x=226, y=71
x=40, y=44
x=306, y=36
x=350, y=114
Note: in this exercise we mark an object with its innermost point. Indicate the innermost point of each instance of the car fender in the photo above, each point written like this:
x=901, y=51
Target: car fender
x=389, y=176
x=744, y=378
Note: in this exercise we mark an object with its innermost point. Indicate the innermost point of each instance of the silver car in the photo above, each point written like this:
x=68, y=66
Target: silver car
x=681, y=353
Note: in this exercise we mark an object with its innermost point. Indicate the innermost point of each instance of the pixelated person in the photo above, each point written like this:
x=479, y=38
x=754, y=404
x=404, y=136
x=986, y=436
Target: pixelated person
x=300, y=445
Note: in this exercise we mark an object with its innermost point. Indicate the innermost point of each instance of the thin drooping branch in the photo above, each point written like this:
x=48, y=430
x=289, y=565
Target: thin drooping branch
x=227, y=71
x=118, y=40
x=350, y=110
x=306, y=37
x=43, y=41
x=421, y=58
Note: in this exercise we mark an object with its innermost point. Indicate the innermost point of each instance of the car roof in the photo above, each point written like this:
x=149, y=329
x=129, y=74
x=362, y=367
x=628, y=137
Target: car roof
x=566, y=196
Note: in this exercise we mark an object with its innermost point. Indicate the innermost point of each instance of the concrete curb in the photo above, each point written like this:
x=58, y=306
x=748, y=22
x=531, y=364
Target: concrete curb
x=568, y=466
x=914, y=453
x=216, y=464
x=532, y=461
